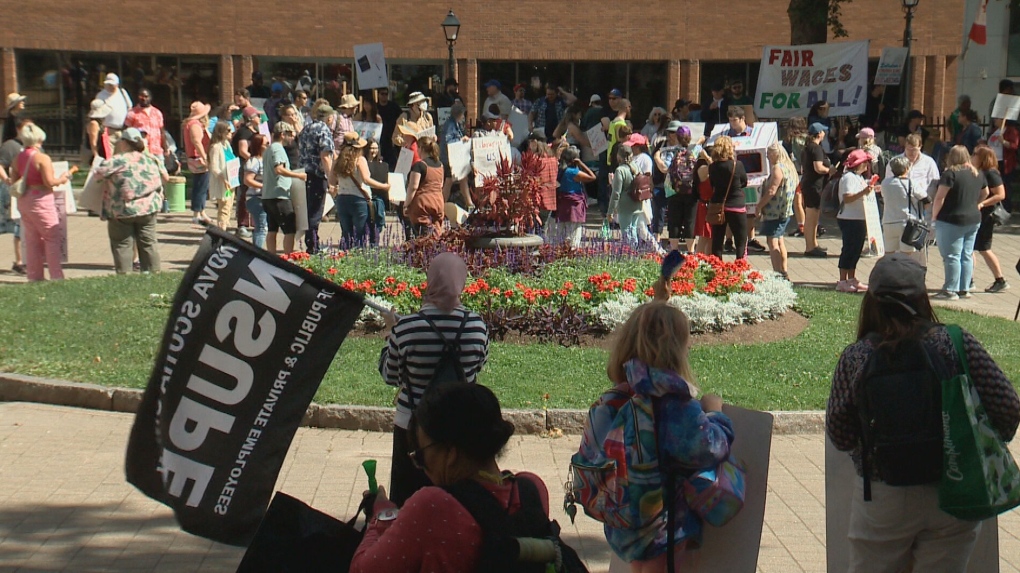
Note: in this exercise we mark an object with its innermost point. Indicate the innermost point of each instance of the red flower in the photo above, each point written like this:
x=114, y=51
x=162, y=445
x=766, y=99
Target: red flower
x=390, y=280
x=332, y=270
x=564, y=292
x=586, y=295
x=649, y=291
x=568, y=285
x=747, y=287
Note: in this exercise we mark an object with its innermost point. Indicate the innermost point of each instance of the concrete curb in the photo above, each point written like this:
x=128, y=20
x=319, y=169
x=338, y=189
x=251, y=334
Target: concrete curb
x=20, y=388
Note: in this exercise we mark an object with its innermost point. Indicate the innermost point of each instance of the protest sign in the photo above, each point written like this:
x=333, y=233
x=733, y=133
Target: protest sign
x=427, y=132
x=91, y=198
x=398, y=188
x=891, y=66
x=841, y=485
x=404, y=160
x=697, y=130
x=368, y=130
x=519, y=125
x=1006, y=107
x=299, y=199
x=233, y=169
x=459, y=153
x=873, y=222
x=248, y=340
x=63, y=197
x=371, y=66
x=734, y=547
x=597, y=139
x=794, y=78
x=487, y=152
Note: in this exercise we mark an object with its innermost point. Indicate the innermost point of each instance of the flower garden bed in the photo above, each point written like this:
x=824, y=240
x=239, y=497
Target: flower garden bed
x=556, y=294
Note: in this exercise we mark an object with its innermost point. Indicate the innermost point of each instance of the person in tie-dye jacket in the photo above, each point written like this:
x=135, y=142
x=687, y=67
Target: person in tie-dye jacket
x=650, y=366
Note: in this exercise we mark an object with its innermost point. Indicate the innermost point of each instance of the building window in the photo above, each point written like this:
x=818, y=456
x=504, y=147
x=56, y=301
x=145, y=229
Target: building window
x=1013, y=52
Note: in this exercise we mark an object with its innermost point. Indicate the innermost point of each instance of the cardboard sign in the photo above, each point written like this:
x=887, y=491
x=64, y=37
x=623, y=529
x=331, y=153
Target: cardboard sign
x=841, y=481
x=398, y=188
x=370, y=64
x=1006, y=107
x=734, y=547
x=518, y=123
x=459, y=154
x=876, y=239
x=487, y=152
x=404, y=161
x=598, y=141
x=891, y=66
x=368, y=130
x=794, y=78
x=442, y=114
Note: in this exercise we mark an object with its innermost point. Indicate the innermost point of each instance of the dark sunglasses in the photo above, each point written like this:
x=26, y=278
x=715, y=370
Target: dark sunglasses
x=418, y=456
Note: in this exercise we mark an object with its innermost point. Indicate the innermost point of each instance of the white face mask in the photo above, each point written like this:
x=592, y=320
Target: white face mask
x=424, y=106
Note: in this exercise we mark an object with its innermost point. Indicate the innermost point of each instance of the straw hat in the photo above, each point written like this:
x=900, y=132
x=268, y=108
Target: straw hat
x=407, y=129
x=352, y=139
x=14, y=99
x=348, y=102
x=99, y=109
x=415, y=97
x=198, y=110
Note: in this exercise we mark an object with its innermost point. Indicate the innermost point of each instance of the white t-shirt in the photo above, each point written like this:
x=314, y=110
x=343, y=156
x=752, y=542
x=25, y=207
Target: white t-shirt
x=644, y=163
x=504, y=103
x=120, y=102
x=922, y=173
x=851, y=183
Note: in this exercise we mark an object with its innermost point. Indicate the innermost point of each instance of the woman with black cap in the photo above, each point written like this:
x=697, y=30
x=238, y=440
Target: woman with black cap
x=903, y=524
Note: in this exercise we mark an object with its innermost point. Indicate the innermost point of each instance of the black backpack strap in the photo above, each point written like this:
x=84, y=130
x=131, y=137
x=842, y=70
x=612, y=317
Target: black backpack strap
x=499, y=551
x=866, y=443
x=405, y=381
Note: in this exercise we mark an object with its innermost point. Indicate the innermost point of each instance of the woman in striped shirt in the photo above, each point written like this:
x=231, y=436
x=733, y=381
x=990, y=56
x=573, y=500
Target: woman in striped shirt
x=413, y=352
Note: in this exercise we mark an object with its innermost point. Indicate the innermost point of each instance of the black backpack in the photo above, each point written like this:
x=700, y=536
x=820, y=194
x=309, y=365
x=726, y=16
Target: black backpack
x=899, y=402
x=499, y=552
x=448, y=369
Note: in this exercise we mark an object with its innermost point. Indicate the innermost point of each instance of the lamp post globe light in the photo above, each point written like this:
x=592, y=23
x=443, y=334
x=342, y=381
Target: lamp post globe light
x=909, y=6
x=451, y=28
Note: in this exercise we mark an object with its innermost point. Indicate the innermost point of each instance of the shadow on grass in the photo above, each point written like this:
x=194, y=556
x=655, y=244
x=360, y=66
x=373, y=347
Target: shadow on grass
x=104, y=537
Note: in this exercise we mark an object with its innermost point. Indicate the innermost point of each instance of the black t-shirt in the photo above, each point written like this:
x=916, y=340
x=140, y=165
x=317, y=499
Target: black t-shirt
x=960, y=206
x=728, y=181
x=812, y=180
x=379, y=171
x=243, y=133
x=993, y=178
x=421, y=167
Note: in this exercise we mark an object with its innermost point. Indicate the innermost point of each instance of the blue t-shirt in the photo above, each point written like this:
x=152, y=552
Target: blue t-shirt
x=568, y=184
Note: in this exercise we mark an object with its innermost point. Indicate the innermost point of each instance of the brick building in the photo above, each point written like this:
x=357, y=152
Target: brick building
x=655, y=51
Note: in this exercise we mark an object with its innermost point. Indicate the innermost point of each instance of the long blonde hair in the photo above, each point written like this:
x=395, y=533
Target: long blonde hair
x=348, y=161
x=958, y=159
x=783, y=158
x=657, y=334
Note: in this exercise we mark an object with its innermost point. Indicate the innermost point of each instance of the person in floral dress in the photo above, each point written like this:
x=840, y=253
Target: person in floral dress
x=132, y=197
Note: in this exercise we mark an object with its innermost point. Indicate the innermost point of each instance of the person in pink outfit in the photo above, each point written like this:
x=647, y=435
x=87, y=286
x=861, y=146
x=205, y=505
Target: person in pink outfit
x=39, y=222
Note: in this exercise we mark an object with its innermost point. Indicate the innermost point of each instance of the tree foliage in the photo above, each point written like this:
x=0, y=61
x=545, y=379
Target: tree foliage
x=811, y=20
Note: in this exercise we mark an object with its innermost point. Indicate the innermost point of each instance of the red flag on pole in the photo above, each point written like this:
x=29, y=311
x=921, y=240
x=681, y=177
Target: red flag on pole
x=979, y=29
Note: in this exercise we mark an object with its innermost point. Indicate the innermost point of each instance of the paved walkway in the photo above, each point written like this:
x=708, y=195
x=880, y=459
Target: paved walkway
x=178, y=238
x=64, y=504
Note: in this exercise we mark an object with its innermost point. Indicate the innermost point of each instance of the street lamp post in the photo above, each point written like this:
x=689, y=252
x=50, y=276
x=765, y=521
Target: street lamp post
x=909, y=6
x=451, y=28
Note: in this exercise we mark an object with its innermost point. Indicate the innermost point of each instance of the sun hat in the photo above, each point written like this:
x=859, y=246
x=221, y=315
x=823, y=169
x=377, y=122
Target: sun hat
x=866, y=133
x=897, y=274
x=595, y=98
x=348, y=102
x=198, y=110
x=352, y=139
x=674, y=126
x=99, y=109
x=132, y=134
x=407, y=129
x=14, y=99
x=817, y=128
x=857, y=157
x=283, y=127
x=112, y=79
x=415, y=97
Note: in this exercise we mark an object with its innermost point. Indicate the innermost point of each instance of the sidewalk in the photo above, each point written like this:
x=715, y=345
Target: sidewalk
x=178, y=239
x=66, y=507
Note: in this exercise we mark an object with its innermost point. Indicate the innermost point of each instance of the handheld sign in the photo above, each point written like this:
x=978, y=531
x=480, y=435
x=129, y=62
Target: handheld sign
x=371, y=66
x=459, y=153
x=403, y=166
x=1006, y=107
x=488, y=152
x=891, y=66
x=368, y=130
x=398, y=187
x=597, y=139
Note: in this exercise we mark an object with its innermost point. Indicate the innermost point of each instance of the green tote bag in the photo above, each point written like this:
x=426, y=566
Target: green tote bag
x=979, y=477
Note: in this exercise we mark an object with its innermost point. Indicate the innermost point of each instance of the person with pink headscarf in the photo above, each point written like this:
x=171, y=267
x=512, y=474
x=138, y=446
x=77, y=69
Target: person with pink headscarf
x=413, y=351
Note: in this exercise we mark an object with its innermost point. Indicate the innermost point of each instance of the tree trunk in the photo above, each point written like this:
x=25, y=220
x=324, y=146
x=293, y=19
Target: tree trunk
x=809, y=21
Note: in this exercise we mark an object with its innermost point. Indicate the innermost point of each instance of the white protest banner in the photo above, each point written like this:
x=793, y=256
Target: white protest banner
x=519, y=124
x=404, y=160
x=891, y=66
x=442, y=114
x=459, y=154
x=371, y=65
x=597, y=139
x=428, y=132
x=233, y=169
x=697, y=130
x=841, y=485
x=398, y=188
x=794, y=78
x=1006, y=107
x=873, y=221
x=92, y=193
x=368, y=130
x=299, y=199
x=734, y=547
x=487, y=152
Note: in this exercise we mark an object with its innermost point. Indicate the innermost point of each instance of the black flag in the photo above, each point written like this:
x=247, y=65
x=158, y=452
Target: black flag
x=248, y=341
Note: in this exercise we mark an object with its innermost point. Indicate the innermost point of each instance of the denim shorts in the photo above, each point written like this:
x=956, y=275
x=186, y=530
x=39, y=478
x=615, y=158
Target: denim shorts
x=775, y=228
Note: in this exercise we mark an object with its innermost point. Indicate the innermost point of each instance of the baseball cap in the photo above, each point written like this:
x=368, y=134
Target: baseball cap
x=519, y=87
x=595, y=98
x=817, y=128
x=897, y=274
x=857, y=157
x=637, y=139
x=615, y=93
x=112, y=79
x=673, y=126
x=277, y=88
x=494, y=84
x=249, y=112
x=866, y=133
x=131, y=134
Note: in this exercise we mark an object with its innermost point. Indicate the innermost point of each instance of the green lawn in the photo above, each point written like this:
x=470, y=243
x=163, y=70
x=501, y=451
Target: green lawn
x=106, y=331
